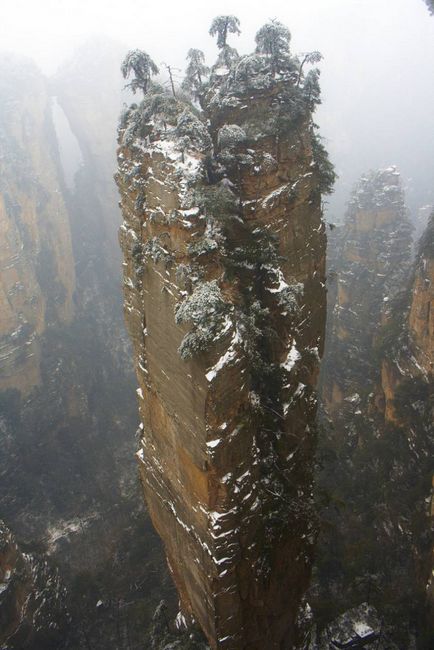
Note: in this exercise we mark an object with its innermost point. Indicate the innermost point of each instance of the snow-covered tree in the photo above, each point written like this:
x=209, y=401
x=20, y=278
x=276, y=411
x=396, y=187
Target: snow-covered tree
x=308, y=57
x=222, y=26
x=196, y=71
x=273, y=40
x=230, y=136
x=227, y=56
x=430, y=4
x=311, y=89
x=205, y=309
x=191, y=127
x=142, y=66
x=217, y=201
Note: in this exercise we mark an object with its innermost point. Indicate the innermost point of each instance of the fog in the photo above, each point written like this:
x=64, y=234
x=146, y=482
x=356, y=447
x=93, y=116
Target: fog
x=377, y=72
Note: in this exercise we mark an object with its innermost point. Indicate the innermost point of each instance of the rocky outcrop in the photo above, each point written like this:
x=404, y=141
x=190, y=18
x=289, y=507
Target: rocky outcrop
x=224, y=251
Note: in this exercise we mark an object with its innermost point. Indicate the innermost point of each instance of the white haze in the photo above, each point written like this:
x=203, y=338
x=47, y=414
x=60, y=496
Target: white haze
x=377, y=74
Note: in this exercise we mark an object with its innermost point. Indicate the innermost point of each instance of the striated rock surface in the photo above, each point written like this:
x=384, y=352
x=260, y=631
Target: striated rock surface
x=224, y=251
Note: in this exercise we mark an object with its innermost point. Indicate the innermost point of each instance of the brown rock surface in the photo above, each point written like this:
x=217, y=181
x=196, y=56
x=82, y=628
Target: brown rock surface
x=37, y=275
x=230, y=239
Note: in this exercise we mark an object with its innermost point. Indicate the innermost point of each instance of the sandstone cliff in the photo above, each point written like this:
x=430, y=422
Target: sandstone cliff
x=37, y=276
x=407, y=382
x=224, y=251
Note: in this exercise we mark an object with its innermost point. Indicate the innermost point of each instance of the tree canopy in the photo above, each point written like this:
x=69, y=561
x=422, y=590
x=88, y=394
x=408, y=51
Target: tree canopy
x=222, y=26
x=196, y=71
x=273, y=40
x=142, y=66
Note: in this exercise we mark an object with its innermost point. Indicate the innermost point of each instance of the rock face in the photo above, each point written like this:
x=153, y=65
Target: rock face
x=377, y=387
x=37, y=276
x=407, y=382
x=372, y=261
x=224, y=249
x=32, y=599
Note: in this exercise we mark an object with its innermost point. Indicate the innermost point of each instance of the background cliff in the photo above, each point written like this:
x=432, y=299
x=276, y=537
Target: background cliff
x=376, y=446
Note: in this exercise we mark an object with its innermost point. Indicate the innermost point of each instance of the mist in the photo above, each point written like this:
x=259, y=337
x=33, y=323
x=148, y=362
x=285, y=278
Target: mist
x=376, y=75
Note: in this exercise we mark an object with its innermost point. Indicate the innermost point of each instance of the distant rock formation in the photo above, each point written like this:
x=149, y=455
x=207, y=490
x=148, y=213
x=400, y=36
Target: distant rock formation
x=224, y=253
x=376, y=383
x=37, y=275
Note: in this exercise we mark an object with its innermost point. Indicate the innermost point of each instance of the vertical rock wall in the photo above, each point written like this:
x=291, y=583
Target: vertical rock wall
x=224, y=251
x=37, y=274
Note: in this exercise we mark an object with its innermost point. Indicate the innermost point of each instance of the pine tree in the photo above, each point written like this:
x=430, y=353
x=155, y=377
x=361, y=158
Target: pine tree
x=142, y=66
x=273, y=41
x=222, y=26
x=196, y=71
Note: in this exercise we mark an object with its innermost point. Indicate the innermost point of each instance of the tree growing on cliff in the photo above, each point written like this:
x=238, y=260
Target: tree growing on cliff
x=205, y=309
x=273, y=41
x=222, y=26
x=196, y=71
x=142, y=66
x=309, y=57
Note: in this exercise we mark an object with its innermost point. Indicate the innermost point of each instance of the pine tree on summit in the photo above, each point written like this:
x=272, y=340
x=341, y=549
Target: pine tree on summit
x=143, y=67
x=222, y=26
x=273, y=41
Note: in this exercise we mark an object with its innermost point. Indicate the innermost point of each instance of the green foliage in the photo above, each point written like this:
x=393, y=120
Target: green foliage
x=191, y=127
x=195, y=73
x=227, y=57
x=273, y=41
x=289, y=296
x=205, y=309
x=324, y=168
x=230, y=136
x=142, y=66
x=216, y=201
x=222, y=26
x=211, y=240
x=311, y=89
x=157, y=104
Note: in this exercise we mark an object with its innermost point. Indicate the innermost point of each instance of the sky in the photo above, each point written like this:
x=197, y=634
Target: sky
x=377, y=74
